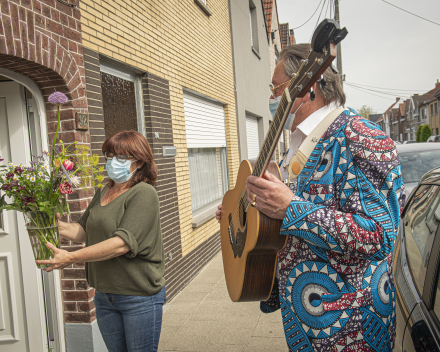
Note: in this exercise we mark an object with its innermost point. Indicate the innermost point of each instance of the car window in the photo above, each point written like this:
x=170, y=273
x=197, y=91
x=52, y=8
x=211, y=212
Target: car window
x=421, y=222
x=416, y=164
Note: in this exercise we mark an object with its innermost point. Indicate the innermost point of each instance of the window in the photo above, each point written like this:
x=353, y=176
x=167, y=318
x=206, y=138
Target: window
x=121, y=100
x=282, y=147
x=254, y=28
x=432, y=109
x=421, y=222
x=207, y=156
x=435, y=108
x=252, y=137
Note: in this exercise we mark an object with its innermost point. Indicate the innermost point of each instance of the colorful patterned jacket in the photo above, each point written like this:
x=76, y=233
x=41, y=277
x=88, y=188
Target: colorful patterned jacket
x=335, y=286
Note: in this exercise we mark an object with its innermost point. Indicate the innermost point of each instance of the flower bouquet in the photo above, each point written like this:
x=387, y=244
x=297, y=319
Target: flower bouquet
x=39, y=190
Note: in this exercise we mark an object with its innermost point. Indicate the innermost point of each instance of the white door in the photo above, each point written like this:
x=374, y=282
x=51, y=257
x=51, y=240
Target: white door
x=22, y=311
x=253, y=142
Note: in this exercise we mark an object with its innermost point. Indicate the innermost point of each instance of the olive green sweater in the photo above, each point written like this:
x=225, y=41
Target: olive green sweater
x=133, y=216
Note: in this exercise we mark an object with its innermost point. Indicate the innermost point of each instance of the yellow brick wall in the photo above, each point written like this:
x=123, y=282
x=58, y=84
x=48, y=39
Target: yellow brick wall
x=177, y=41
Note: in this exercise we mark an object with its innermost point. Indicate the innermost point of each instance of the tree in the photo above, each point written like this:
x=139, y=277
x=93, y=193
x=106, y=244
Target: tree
x=419, y=133
x=426, y=133
x=365, y=111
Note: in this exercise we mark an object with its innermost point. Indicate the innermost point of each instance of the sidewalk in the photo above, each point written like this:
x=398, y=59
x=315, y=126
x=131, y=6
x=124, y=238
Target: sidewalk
x=203, y=318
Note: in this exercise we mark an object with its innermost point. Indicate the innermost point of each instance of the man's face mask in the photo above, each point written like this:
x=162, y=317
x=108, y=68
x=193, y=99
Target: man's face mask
x=273, y=105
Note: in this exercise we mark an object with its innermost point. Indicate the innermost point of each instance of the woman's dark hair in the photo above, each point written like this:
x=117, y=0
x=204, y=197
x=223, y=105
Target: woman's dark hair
x=135, y=144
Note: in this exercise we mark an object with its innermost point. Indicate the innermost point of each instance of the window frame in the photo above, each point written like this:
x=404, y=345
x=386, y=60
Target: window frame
x=130, y=76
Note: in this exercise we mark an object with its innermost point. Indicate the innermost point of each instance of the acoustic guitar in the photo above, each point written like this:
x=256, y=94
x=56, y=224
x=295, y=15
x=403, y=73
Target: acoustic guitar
x=250, y=240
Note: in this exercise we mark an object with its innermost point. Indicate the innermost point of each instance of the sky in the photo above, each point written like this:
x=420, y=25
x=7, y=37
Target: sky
x=385, y=47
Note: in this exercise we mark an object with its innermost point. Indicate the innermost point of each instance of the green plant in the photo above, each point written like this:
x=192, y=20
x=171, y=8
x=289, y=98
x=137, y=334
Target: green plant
x=426, y=133
x=419, y=134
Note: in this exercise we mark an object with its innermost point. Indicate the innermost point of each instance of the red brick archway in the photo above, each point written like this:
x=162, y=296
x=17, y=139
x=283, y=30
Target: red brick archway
x=42, y=40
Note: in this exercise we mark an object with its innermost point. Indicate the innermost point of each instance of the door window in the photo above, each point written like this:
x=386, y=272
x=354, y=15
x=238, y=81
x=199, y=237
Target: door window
x=421, y=222
x=121, y=100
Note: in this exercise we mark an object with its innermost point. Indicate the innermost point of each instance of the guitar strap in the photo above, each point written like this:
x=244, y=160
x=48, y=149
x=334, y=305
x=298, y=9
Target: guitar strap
x=300, y=158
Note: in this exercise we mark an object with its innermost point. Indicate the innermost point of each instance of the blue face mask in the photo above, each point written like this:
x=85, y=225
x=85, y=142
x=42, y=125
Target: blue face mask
x=119, y=171
x=273, y=105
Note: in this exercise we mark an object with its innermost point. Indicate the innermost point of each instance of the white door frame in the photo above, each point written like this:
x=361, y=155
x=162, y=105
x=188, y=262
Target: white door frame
x=24, y=242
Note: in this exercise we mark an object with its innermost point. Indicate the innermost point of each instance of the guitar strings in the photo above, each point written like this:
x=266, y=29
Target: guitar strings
x=267, y=145
x=243, y=202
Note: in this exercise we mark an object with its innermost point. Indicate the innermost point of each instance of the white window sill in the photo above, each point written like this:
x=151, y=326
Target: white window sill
x=203, y=7
x=256, y=53
x=205, y=214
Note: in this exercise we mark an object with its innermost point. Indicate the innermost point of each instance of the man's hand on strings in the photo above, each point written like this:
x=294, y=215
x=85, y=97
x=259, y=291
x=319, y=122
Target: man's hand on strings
x=272, y=195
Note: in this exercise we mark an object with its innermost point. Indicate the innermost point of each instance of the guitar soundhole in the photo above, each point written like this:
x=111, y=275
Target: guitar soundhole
x=238, y=239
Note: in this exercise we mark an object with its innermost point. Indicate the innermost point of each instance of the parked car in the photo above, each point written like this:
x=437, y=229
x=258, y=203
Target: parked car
x=416, y=160
x=416, y=270
x=434, y=139
x=409, y=142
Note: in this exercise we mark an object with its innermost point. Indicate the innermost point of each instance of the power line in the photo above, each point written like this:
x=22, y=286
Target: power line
x=373, y=90
x=369, y=93
x=376, y=91
x=438, y=24
x=400, y=90
x=310, y=17
x=316, y=25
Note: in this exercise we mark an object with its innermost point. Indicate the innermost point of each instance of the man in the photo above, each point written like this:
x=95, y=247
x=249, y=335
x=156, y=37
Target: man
x=335, y=286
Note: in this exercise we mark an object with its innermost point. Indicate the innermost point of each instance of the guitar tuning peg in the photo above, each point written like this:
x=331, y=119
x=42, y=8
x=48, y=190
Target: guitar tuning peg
x=323, y=82
x=312, y=95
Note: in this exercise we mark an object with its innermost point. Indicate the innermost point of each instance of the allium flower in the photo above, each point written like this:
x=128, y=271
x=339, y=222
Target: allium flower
x=65, y=188
x=68, y=164
x=57, y=98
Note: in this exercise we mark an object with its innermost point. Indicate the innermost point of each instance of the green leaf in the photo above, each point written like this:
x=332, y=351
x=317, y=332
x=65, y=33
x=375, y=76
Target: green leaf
x=60, y=209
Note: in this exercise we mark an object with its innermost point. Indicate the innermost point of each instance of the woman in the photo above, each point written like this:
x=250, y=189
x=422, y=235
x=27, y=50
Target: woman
x=124, y=252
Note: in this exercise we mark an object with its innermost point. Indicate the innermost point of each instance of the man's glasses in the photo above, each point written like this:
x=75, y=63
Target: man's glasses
x=119, y=157
x=272, y=87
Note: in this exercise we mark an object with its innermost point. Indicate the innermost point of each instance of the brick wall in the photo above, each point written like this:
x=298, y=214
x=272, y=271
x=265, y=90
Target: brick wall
x=179, y=46
x=42, y=40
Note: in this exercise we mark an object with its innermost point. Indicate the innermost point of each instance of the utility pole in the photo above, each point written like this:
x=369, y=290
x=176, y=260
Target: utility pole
x=339, y=50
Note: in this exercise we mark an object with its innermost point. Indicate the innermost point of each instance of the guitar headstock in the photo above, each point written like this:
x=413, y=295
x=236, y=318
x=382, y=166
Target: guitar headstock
x=323, y=52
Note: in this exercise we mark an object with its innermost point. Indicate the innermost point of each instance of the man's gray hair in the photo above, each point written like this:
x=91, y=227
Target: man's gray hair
x=292, y=56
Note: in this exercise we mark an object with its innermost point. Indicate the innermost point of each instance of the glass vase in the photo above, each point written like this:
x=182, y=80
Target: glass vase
x=42, y=227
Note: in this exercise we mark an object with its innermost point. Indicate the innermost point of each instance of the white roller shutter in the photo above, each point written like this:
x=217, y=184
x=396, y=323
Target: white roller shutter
x=253, y=143
x=204, y=122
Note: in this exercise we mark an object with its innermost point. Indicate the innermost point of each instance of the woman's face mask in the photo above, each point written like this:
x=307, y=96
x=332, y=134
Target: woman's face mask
x=119, y=171
x=273, y=105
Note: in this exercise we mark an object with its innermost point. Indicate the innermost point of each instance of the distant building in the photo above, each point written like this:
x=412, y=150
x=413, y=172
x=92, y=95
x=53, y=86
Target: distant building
x=374, y=117
x=287, y=35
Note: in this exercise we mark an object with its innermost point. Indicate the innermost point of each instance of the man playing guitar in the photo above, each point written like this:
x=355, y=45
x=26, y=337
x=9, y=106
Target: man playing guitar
x=334, y=280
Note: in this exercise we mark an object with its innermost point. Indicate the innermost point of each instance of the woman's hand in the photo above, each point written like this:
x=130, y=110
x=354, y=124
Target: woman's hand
x=218, y=213
x=61, y=258
x=272, y=195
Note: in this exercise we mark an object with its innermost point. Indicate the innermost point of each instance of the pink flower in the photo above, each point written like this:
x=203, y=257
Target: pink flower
x=57, y=98
x=65, y=188
x=68, y=164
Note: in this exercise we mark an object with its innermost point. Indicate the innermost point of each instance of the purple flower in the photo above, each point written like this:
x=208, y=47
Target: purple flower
x=18, y=170
x=1, y=158
x=31, y=200
x=58, y=98
x=5, y=187
x=9, y=175
x=14, y=183
x=23, y=199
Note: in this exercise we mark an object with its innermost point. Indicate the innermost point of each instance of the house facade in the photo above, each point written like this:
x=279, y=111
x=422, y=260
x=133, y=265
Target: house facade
x=251, y=62
x=123, y=66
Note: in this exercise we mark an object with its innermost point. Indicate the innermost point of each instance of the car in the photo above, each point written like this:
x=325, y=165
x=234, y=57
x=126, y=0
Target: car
x=415, y=160
x=409, y=142
x=416, y=269
x=434, y=139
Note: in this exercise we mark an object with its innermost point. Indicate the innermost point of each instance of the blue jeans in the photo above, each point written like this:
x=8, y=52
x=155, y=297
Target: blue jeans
x=130, y=323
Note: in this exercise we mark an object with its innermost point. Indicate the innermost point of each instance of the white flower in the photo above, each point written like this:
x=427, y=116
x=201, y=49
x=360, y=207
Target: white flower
x=75, y=180
x=40, y=174
x=15, y=177
x=32, y=179
x=27, y=177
